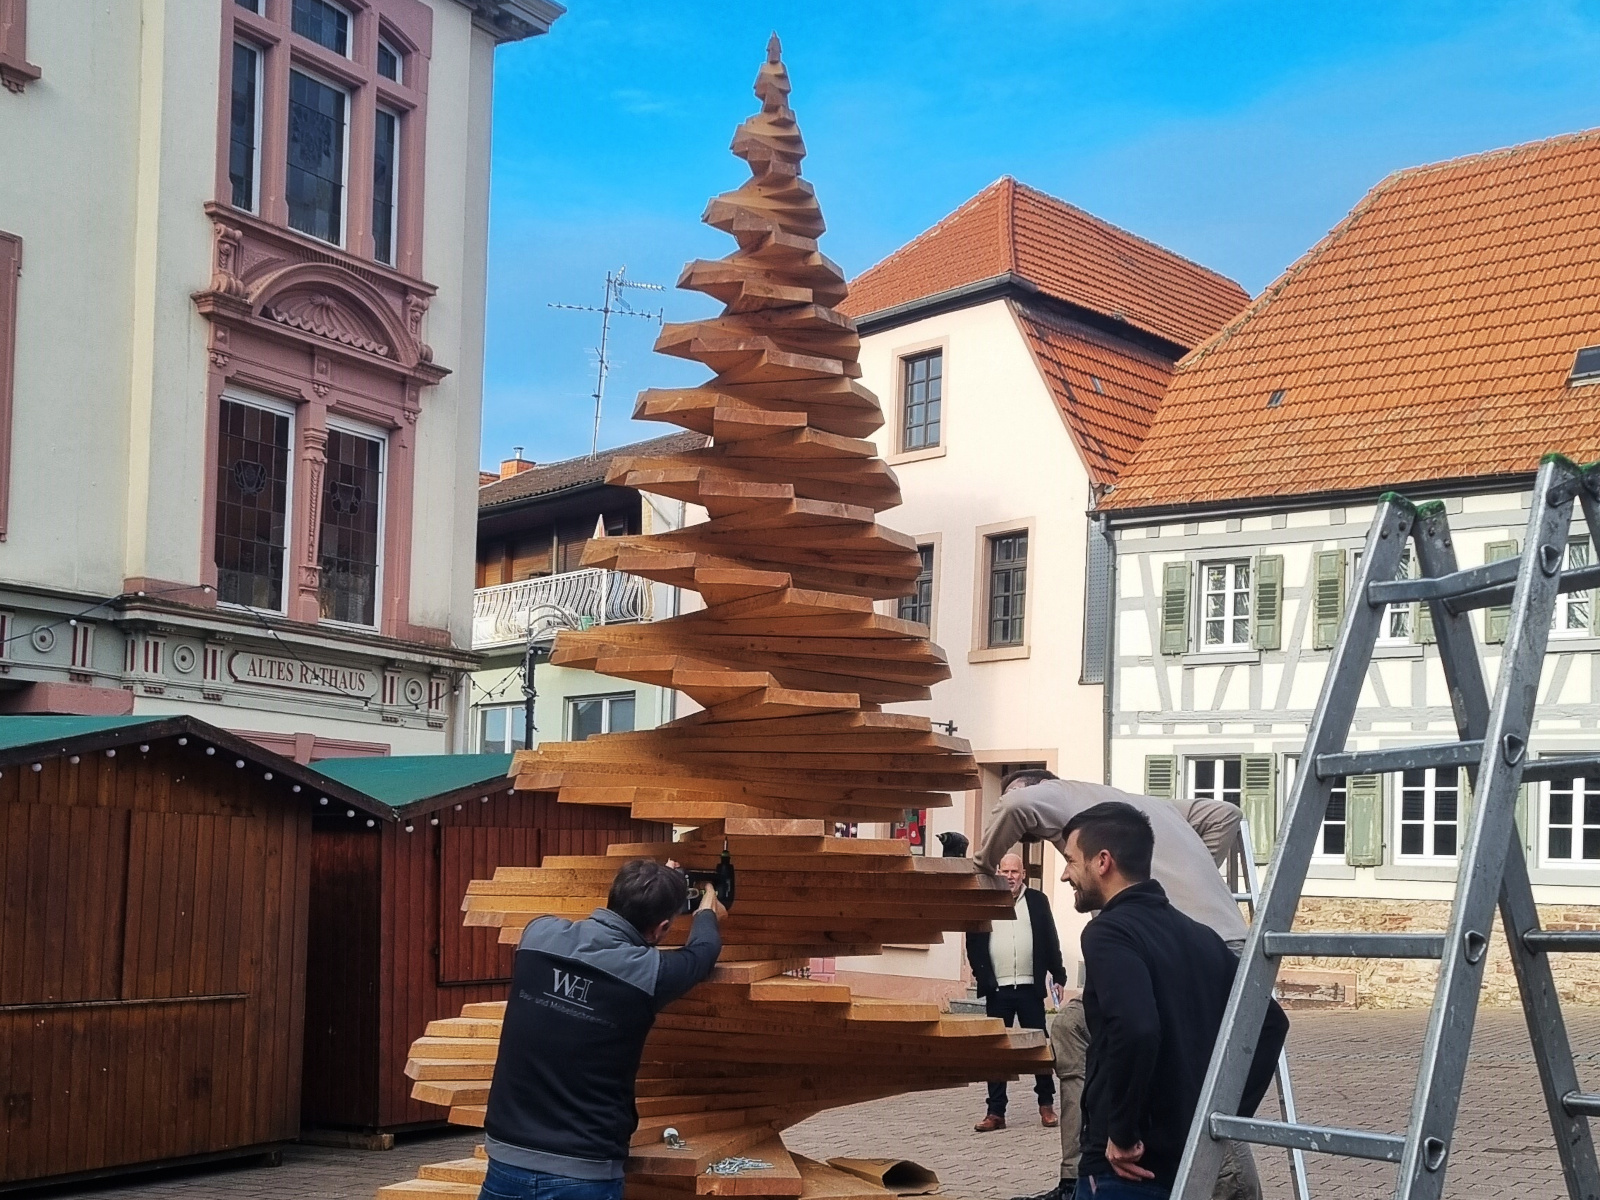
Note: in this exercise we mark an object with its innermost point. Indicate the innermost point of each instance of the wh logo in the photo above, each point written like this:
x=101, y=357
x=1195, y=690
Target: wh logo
x=571, y=987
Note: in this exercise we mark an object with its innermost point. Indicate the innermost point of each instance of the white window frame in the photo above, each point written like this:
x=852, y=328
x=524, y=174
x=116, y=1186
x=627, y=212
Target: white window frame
x=1219, y=791
x=344, y=167
x=399, y=62
x=1577, y=825
x=1430, y=821
x=1321, y=854
x=238, y=395
x=349, y=28
x=381, y=436
x=1404, y=616
x=609, y=698
x=1230, y=593
x=517, y=711
x=394, y=201
x=904, y=362
x=1569, y=602
x=255, y=166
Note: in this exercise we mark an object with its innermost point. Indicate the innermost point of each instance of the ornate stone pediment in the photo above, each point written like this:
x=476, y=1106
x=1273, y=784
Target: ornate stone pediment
x=319, y=313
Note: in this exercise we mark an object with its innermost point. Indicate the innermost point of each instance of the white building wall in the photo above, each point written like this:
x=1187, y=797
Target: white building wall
x=1236, y=702
x=1005, y=462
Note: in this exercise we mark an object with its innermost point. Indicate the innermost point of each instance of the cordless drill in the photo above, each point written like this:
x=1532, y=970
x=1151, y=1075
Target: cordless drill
x=720, y=878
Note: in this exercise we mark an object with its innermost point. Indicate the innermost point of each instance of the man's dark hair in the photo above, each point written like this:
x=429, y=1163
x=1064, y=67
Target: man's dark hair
x=1120, y=828
x=1028, y=776
x=646, y=893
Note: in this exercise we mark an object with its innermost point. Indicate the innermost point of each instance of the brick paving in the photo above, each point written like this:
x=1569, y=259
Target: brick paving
x=1350, y=1069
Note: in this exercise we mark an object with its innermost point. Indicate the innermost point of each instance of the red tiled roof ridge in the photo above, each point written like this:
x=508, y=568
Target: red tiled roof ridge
x=1110, y=227
x=1352, y=218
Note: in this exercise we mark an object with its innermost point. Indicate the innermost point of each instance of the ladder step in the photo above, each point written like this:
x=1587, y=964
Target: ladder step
x=1353, y=945
x=1581, y=1104
x=1569, y=941
x=1399, y=758
x=1576, y=767
x=1243, y=897
x=1350, y=1143
x=1475, y=587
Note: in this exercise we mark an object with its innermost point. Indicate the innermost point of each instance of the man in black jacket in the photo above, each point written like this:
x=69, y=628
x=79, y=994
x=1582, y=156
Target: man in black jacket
x=1009, y=966
x=584, y=995
x=1157, y=983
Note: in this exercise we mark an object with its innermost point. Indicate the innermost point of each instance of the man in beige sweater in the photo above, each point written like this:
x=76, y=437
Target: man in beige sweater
x=1192, y=841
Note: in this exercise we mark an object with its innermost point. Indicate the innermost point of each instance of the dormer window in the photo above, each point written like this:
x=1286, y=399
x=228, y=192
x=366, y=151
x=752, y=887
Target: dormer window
x=323, y=23
x=1586, y=366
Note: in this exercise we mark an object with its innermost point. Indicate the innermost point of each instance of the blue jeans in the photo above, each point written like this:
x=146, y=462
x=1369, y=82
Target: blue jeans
x=1115, y=1187
x=505, y=1182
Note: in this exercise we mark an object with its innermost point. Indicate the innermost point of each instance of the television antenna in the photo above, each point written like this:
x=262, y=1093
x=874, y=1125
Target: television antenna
x=616, y=304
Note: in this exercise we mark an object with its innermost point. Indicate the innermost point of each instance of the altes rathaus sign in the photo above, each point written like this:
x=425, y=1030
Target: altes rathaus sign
x=268, y=670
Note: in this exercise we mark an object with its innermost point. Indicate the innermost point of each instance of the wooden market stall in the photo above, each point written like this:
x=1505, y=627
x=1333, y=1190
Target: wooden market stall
x=155, y=880
x=388, y=951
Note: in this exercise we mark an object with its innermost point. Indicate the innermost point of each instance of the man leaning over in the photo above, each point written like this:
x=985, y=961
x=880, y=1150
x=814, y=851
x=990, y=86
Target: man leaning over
x=1192, y=840
x=584, y=995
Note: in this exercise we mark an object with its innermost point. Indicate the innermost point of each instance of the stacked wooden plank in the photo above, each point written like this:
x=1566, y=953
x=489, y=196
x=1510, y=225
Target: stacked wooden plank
x=791, y=662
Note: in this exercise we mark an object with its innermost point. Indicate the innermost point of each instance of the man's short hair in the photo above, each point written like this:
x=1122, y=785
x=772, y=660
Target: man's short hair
x=1119, y=828
x=646, y=893
x=1027, y=776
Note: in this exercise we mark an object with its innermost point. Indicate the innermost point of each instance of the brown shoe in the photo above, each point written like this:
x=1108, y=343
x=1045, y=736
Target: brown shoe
x=990, y=1123
x=1047, y=1116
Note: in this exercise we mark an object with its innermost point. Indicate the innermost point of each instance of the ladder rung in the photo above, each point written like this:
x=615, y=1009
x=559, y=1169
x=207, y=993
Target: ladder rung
x=1570, y=941
x=1353, y=945
x=1475, y=587
x=1575, y=767
x=1585, y=1104
x=1350, y=1143
x=1244, y=897
x=1399, y=758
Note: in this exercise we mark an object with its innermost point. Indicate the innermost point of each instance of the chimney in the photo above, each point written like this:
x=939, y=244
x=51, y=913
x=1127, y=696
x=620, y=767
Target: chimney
x=515, y=465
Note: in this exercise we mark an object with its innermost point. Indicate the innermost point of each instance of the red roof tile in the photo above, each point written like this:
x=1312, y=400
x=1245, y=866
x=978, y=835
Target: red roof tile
x=1430, y=336
x=1106, y=388
x=1064, y=252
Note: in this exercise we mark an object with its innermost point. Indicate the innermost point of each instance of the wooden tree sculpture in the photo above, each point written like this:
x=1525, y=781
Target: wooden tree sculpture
x=791, y=662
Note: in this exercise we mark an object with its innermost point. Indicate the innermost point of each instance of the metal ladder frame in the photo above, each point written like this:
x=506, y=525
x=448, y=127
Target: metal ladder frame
x=1491, y=869
x=1242, y=869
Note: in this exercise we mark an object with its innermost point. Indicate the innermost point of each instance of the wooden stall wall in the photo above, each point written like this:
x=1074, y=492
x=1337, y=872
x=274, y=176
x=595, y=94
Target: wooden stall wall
x=428, y=963
x=152, y=960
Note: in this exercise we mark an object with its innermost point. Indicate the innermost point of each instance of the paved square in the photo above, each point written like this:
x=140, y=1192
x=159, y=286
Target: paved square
x=1350, y=1069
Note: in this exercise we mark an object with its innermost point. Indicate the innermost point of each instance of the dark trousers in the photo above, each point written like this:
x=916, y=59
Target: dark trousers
x=1018, y=1006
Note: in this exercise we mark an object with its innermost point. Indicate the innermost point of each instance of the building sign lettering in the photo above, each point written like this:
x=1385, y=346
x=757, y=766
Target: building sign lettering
x=267, y=670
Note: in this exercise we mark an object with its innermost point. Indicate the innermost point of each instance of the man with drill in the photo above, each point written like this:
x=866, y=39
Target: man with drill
x=584, y=995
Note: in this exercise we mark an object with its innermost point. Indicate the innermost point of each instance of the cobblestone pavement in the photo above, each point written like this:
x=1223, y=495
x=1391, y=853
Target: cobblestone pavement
x=1350, y=1069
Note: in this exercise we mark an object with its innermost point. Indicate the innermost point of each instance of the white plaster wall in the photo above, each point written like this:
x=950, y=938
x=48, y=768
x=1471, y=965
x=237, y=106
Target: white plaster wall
x=455, y=258
x=652, y=704
x=71, y=148
x=1008, y=459
x=1169, y=704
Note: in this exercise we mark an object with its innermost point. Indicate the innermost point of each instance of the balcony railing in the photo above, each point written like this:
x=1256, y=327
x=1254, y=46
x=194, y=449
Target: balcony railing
x=508, y=613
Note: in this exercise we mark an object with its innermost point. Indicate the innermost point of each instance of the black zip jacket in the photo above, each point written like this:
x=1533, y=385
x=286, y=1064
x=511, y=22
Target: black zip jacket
x=584, y=995
x=1046, y=948
x=1157, y=983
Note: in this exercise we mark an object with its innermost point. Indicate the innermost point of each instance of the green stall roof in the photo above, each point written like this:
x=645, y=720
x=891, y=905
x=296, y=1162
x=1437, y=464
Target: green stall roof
x=33, y=731
x=404, y=780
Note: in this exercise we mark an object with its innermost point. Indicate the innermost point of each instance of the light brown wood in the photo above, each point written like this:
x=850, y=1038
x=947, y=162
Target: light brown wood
x=789, y=660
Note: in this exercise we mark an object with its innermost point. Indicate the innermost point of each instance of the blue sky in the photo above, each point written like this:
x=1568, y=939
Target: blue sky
x=1234, y=133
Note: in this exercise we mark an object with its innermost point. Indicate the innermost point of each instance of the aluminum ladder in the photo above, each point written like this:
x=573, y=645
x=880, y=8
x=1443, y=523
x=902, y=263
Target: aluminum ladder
x=1493, y=748
x=1244, y=879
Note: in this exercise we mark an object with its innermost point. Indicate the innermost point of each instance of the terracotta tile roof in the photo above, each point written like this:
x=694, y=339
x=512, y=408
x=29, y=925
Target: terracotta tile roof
x=1107, y=388
x=579, y=472
x=1064, y=252
x=1429, y=336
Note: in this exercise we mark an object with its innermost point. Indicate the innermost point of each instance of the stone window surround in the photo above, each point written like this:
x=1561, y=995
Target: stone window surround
x=16, y=72
x=406, y=26
x=895, y=419
x=981, y=651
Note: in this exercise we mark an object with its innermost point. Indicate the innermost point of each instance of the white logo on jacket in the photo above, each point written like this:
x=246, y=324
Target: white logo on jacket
x=568, y=986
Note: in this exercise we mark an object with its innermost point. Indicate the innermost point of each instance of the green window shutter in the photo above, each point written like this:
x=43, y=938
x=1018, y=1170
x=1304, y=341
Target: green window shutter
x=1363, y=809
x=1525, y=820
x=1267, y=633
x=1495, y=620
x=1422, y=622
x=1161, y=776
x=1175, y=590
x=1463, y=806
x=1327, y=598
x=1259, y=799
